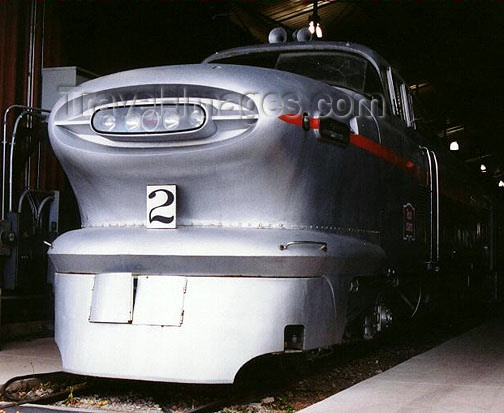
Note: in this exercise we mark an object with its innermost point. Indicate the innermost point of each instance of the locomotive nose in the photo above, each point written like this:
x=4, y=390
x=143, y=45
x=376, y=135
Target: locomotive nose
x=214, y=135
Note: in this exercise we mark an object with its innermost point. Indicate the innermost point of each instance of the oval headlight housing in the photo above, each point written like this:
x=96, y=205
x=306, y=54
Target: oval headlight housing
x=135, y=120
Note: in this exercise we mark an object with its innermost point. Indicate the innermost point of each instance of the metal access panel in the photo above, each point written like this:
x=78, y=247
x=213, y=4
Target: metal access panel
x=58, y=81
x=112, y=299
x=159, y=300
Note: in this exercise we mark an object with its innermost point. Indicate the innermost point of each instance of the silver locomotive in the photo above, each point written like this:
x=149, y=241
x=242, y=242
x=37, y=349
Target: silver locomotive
x=265, y=201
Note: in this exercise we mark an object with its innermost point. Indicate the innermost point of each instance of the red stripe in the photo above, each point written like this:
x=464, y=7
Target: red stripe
x=315, y=123
x=359, y=141
x=380, y=151
x=298, y=120
x=293, y=119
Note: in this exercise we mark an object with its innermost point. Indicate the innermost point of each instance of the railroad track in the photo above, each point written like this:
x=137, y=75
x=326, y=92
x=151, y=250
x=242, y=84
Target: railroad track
x=40, y=389
x=33, y=393
x=69, y=385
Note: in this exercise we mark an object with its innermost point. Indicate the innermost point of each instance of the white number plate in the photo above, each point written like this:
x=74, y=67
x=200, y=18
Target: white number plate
x=161, y=206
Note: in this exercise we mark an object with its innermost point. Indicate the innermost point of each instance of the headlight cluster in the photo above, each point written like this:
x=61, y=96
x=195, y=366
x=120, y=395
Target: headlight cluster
x=148, y=119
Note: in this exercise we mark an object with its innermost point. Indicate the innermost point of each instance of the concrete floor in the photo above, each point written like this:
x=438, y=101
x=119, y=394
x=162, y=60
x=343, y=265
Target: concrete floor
x=465, y=374
x=19, y=358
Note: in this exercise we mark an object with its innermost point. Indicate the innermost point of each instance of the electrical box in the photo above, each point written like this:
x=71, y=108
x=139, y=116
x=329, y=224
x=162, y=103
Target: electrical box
x=58, y=81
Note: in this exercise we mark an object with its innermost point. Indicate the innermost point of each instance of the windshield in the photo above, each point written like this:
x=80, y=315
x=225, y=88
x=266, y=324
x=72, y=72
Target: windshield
x=335, y=68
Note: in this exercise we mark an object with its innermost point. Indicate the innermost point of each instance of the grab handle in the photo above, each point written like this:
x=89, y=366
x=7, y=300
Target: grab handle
x=323, y=245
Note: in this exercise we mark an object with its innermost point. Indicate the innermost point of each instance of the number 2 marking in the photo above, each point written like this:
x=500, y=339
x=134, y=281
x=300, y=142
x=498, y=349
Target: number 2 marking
x=161, y=206
x=169, y=200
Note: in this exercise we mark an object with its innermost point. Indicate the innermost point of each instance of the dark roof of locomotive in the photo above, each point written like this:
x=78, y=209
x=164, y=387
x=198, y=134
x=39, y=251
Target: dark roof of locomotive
x=355, y=48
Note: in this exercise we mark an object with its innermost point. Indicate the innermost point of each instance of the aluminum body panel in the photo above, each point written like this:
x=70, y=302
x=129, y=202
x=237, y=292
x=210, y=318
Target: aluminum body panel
x=212, y=343
x=214, y=251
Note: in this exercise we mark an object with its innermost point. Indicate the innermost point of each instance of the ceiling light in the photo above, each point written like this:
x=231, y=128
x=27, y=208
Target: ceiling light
x=454, y=146
x=311, y=27
x=316, y=29
x=314, y=21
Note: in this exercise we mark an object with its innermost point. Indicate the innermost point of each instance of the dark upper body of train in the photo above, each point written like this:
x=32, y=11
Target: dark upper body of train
x=262, y=201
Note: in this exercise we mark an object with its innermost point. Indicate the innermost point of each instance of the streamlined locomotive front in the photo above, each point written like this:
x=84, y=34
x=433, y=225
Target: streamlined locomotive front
x=223, y=218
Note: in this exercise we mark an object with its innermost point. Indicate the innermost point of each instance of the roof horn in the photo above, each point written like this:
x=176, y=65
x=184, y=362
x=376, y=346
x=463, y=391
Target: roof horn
x=302, y=35
x=277, y=35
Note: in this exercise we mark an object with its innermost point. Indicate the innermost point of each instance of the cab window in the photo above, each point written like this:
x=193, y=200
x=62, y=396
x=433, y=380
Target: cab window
x=400, y=98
